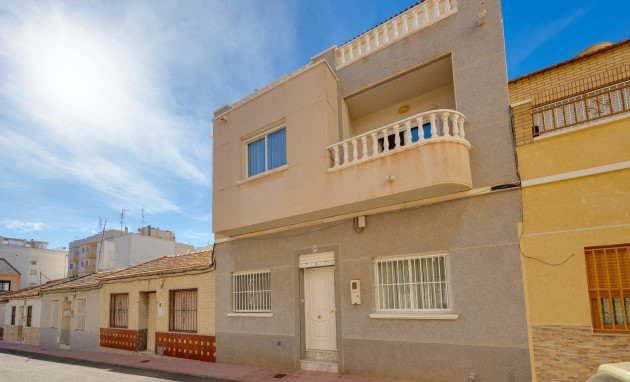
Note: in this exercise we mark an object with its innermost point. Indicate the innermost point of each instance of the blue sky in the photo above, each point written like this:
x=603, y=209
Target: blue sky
x=108, y=105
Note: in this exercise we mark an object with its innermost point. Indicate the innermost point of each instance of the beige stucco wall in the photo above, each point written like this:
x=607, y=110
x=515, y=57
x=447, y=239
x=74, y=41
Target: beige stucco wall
x=203, y=282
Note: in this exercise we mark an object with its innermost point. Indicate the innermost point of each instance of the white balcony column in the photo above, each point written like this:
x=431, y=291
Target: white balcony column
x=342, y=53
x=345, y=153
x=364, y=147
x=385, y=140
x=414, y=24
x=408, y=132
x=385, y=36
x=447, y=5
x=460, y=123
x=355, y=150
x=336, y=155
x=367, y=42
x=405, y=26
x=436, y=10
x=350, y=54
x=444, y=117
x=396, y=136
x=420, y=122
x=433, y=125
x=374, y=136
x=376, y=42
x=453, y=4
x=454, y=118
x=395, y=28
x=425, y=14
x=359, y=50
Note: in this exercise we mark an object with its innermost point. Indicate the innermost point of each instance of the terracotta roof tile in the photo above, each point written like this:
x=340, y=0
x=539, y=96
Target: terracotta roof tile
x=6, y=268
x=167, y=264
x=32, y=291
x=90, y=281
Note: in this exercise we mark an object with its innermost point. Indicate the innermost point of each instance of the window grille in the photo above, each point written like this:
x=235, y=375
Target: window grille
x=183, y=312
x=54, y=318
x=118, y=312
x=29, y=315
x=419, y=283
x=251, y=292
x=80, y=314
x=608, y=277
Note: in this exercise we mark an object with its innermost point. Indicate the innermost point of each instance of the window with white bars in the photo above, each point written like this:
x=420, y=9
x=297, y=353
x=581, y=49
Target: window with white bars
x=251, y=292
x=54, y=315
x=80, y=314
x=412, y=284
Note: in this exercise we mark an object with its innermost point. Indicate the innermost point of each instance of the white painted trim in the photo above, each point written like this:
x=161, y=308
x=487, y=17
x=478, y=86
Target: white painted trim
x=315, y=260
x=576, y=174
x=415, y=316
x=519, y=103
x=231, y=314
x=576, y=230
x=262, y=174
x=585, y=125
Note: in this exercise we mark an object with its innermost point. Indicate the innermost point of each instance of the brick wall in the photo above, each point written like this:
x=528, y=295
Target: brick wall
x=589, y=72
x=573, y=353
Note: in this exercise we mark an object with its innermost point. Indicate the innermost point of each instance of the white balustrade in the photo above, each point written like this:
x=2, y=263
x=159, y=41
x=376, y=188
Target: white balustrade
x=405, y=134
x=419, y=17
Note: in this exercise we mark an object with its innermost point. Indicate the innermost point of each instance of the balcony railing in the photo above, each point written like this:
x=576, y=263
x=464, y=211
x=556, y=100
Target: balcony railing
x=414, y=131
x=606, y=102
x=91, y=255
x=414, y=19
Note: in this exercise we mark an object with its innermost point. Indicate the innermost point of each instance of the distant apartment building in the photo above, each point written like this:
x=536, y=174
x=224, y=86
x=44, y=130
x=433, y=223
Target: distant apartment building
x=33, y=260
x=572, y=129
x=366, y=208
x=115, y=249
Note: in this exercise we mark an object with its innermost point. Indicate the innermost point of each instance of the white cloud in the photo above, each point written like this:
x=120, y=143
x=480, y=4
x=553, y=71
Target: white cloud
x=116, y=98
x=23, y=227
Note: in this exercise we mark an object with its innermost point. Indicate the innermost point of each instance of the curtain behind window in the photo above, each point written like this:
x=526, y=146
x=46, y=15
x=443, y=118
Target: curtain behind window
x=276, y=149
x=256, y=156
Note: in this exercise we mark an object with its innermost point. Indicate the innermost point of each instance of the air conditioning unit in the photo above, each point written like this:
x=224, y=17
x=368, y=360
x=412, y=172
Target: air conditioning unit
x=33, y=262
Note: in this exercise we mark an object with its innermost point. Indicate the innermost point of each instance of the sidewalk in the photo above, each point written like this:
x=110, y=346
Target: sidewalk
x=189, y=367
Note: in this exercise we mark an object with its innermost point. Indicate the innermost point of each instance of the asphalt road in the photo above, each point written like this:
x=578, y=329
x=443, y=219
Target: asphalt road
x=16, y=367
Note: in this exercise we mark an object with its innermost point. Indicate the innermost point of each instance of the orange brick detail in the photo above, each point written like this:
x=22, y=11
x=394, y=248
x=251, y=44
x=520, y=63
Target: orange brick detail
x=122, y=339
x=189, y=346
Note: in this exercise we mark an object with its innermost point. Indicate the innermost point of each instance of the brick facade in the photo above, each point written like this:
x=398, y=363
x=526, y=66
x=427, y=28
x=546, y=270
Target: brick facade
x=189, y=346
x=573, y=353
x=122, y=339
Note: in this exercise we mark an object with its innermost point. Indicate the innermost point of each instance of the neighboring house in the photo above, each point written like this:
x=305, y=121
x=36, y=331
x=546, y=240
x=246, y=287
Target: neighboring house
x=572, y=129
x=33, y=260
x=164, y=307
x=366, y=208
x=115, y=249
x=70, y=314
x=9, y=277
x=22, y=312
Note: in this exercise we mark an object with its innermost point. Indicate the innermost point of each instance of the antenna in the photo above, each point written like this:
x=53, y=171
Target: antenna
x=100, y=250
x=122, y=219
x=143, y=218
x=100, y=224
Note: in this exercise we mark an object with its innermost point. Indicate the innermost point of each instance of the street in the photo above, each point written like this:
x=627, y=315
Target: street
x=16, y=367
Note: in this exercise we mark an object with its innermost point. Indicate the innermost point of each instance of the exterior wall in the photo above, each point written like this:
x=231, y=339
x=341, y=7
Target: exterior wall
x=50, y=262
x=482, y=248
x=136, y=249
x=87, y=339
x=203, y=282
x=13, y=278
x=30, y=335
x=564, y=215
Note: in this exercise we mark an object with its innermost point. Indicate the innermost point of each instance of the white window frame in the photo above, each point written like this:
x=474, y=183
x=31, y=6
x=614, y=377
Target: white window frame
x=411, y=311
x=78, y=313
x=262, y=308
x=54, y=318
x=256, y=138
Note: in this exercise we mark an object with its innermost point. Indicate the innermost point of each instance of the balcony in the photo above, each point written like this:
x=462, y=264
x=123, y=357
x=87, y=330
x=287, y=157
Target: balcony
x=412, y=20
x=75, y=271
x=90, y=269
x=608, y=102
x=90, y=255
x=75, y=258
x=428, y=128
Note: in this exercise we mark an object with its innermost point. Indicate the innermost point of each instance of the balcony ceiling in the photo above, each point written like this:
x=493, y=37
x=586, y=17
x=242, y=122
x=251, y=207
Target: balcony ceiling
x=425, y=79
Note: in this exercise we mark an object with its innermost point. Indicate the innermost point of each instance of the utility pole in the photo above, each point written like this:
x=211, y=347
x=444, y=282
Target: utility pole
x=122, y=219
x=99, y=256
x=143, y=218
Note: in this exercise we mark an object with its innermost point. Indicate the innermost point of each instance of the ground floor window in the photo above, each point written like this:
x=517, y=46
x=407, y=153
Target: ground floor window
x=183, y=310
x=54, y=315
x=118, y=311
x=13, y=312
x=251, y=292
x=608, y=277
x=80, y=314
x=412, y=284
x=29, y=315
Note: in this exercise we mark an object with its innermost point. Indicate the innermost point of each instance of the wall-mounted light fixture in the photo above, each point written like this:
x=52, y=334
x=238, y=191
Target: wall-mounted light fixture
x=403, y=109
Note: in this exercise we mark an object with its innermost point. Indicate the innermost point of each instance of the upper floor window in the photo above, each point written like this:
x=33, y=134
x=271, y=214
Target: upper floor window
x=412, y=284
x=266, y=152
x=5, y=286
x=608, y=276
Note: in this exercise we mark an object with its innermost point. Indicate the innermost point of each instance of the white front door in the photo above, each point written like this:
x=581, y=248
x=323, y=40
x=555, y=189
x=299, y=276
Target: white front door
x=319, y=308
